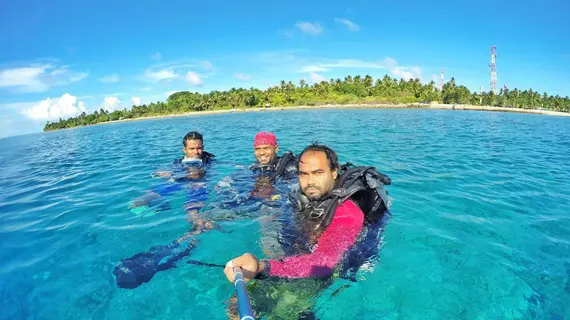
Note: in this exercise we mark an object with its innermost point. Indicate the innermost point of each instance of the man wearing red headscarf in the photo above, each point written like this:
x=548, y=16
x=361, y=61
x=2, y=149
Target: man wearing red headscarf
x=265, y=149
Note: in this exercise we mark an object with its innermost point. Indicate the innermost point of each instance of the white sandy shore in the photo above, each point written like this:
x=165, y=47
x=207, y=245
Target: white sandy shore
x=348, y=106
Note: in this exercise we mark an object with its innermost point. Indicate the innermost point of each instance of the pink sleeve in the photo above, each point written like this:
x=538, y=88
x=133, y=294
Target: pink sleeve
x=332, y=244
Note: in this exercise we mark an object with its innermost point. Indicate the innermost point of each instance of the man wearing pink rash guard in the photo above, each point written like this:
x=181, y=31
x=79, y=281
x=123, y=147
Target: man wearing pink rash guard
x=318, y=171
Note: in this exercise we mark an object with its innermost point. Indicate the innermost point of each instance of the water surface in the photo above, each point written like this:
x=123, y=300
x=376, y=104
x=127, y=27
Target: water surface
x=480, y=226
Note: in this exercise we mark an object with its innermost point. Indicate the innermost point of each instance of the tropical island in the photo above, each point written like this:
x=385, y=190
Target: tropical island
x=351, y=90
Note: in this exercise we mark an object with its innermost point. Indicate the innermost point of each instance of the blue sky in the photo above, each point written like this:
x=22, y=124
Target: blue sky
x=61, y=57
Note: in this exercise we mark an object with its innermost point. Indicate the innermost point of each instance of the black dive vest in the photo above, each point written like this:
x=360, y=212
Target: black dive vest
x=280, y=166
x=364, y=185
x=206, y=158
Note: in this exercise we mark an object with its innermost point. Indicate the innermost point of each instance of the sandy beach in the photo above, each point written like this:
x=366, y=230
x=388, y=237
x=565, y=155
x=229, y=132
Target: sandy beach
x=356, y=106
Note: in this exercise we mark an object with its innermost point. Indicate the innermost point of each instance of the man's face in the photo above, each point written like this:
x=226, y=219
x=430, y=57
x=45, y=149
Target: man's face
x=316, y=179
x=265, y=153
x=193, y=149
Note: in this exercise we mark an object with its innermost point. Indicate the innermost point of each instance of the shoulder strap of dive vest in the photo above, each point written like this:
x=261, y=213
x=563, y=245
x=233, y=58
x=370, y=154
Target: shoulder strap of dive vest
x=347, y=186
x=207, y=157
x=282, y=164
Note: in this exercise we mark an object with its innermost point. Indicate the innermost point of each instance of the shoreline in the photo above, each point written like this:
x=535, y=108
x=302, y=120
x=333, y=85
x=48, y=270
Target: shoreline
x=353, y=106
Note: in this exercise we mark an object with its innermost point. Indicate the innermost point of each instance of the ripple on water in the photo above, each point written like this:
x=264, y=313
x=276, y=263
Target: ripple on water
x=479, y=227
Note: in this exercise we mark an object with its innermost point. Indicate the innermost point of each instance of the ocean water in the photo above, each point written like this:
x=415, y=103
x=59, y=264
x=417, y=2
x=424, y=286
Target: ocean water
x=480, y=225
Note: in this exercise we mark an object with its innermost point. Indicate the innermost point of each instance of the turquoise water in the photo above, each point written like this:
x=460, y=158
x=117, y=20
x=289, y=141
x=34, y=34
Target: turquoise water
x=480, y=226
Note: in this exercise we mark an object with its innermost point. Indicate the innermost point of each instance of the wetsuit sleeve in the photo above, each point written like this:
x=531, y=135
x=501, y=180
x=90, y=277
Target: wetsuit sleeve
x=332, y=244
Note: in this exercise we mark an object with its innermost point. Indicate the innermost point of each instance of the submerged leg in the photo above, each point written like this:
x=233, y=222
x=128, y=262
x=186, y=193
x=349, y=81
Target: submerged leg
x=140, y=268
x=281, y=299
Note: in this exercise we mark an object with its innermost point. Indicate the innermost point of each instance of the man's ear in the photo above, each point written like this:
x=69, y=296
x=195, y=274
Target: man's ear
x=335, y=174
x=276, y=149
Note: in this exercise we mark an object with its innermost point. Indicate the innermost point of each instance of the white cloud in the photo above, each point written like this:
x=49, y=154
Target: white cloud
x=28, y=78
x=158, y=75
x=53, y=109
x=402, y=72
x=193, y=78
x=348, y=24
x=310, y=28
x=170, y=71
x=388, y=63
x=146, y=89
x=110, y=78
x=353, y=63
x=38, y=77
x=73, y=78
x=316, y=78
x=314, y=69
x=242, y=76
x=136, y=101
x=342, y=63
x=156, y=56
x=207, y=65
x=18, y=105
x=111, y=104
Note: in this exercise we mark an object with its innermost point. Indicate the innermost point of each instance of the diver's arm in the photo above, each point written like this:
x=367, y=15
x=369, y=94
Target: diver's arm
x=161, y=174
x=333, y=243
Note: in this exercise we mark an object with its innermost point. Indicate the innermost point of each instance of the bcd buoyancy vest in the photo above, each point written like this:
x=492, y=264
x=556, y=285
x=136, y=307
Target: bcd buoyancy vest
x=366, y=187
x=206, y=158
x=363, y=184
x=280, y=166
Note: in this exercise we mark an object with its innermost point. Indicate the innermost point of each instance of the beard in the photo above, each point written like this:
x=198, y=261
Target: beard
x=313, y=193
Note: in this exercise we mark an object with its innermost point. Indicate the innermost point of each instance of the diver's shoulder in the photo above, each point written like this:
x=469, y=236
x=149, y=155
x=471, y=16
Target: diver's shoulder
x=350, y=210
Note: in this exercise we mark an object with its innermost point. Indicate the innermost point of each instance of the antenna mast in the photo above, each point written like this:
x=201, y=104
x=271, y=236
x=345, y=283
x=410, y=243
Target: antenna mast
x=493, y=70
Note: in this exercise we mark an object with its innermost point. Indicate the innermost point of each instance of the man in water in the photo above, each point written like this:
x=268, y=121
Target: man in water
x=261, y=181
x=325, y=242
x=136, y=270
x=265, y=149
x=189, y=172
x=193, y=148
x=259, y=189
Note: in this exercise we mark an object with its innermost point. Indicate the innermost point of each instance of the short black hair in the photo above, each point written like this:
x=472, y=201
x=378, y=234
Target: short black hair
x=316, y=147
x=192, y=135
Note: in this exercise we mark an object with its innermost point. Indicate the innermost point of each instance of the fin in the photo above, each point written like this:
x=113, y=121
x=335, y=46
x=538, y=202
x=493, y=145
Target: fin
x=139, y=210
x=140, y=268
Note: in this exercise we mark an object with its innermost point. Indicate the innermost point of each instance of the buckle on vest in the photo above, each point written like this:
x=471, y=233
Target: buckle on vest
x=316, y=213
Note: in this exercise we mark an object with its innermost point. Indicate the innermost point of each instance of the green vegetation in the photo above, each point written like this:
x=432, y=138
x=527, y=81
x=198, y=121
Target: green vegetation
x=336, y=91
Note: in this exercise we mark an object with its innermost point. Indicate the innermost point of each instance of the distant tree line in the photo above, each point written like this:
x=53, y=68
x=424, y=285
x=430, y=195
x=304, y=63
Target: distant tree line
x=335, y=91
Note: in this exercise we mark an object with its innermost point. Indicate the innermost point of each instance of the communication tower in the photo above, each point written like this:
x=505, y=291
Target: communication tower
x=493, y=70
